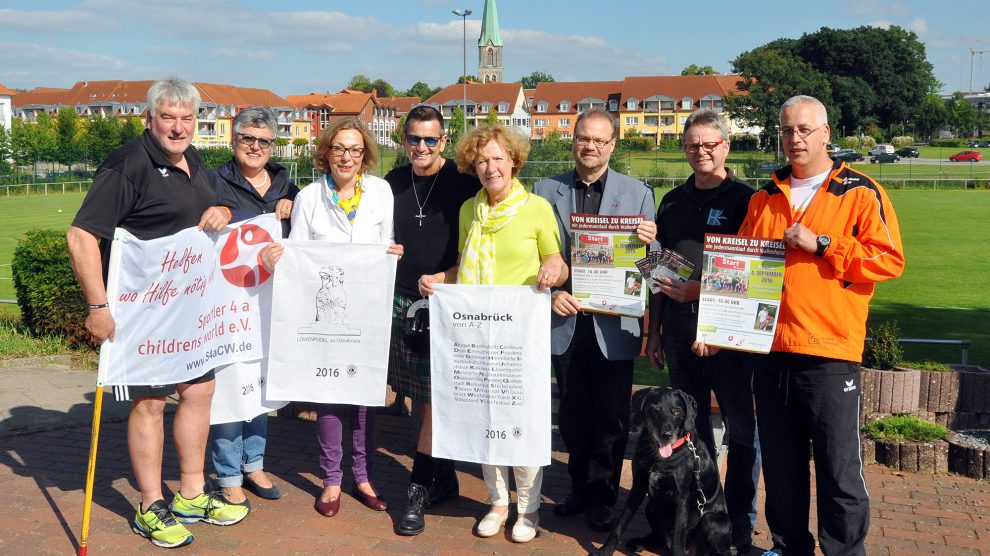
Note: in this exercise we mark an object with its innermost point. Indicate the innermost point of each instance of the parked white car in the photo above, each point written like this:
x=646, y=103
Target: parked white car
x=882, y=149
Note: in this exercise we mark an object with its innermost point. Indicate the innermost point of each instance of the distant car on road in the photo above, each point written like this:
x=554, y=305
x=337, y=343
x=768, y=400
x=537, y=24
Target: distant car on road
x=907, y=152
x=848, y=155
x=979, y=144
x=966, y=156
x=766, y=167
x=880, y=158
x=884, y=148
x=831, y=148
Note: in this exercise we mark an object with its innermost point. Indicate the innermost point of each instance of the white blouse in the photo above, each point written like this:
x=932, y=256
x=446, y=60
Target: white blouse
x=316, y=216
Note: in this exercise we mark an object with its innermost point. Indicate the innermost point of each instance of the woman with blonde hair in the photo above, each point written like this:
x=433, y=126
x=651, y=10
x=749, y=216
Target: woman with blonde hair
x=507, y=236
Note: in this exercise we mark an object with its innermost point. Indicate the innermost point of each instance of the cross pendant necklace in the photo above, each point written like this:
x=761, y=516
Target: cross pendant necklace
x=420, y=216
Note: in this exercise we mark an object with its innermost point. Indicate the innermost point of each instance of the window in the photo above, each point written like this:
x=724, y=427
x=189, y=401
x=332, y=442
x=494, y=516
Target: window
x=687, y=103
x=613, y=105
x=564, y=122
x=486, y=108
x=503, y=107
x=565, y=105
x=667, y=105
x=650, y=120
x=683, y=120
x=539, y=122
x=542, y=106
x=632, y=120
x=667, y=120
x=631, y=104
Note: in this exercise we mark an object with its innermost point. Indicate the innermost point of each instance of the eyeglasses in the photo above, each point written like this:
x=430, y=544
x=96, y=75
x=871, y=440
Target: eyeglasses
x=709, y=147
x=248, y=140
x=584, y=141
x=414, y=140
x=339, y=150
x=801, y=132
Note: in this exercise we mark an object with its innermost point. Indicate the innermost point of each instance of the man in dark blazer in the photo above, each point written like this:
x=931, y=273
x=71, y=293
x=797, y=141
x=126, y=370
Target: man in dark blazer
x=593, y=353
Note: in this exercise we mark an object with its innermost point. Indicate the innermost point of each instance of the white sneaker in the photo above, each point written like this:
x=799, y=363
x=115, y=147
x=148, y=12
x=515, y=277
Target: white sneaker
x=491, y=524
x=525, y=530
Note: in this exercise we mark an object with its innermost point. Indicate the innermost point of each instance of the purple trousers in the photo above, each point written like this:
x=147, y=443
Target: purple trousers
x=330, y=433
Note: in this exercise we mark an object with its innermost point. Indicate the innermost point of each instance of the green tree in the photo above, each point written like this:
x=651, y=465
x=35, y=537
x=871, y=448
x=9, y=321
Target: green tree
x=931, y=116
x=132, y=127
x=299, y=146
x=34, y=142
x=470, y=78
x=397, y=132
x=770, y=75
x=695, y=69
x=963, y=117
x=421, y=90
x=530, y=81
x=382, y=87
x=455, y=126
x=492, y=117
x=103, y=136
x=890, y=63
x=68, y=130
x=5, y=151
x=360, y=82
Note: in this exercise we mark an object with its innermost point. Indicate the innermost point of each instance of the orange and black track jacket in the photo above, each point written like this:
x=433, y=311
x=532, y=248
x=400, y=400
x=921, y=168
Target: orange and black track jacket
x=826, y=299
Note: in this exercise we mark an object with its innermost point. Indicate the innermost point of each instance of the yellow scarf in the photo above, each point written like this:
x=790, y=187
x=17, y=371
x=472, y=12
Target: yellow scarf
x=477, y=264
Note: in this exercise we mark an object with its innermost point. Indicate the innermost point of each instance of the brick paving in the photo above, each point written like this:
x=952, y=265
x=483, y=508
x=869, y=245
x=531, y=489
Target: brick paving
x=42, y=477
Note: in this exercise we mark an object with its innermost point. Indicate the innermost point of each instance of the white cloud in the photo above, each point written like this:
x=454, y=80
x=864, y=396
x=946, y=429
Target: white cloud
x=29, y=65
x=66, y=21
x=919, y=26
x=241, y=54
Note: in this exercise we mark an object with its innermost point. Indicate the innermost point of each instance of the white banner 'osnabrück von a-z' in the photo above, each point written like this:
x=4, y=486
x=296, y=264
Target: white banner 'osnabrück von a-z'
x=490, y=365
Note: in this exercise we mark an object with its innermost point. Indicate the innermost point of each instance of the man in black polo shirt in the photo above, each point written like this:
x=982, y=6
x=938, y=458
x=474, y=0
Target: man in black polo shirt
x=155, y=186
x=428, y=194
x=712, y=200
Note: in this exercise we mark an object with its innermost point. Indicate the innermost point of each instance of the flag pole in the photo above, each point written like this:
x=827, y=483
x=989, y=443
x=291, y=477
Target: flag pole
x=91, y=471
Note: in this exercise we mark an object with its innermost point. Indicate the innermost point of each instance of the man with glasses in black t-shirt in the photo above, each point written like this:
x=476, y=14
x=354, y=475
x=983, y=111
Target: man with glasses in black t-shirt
x=155, y=186
x=712, y=200
x=428, y=194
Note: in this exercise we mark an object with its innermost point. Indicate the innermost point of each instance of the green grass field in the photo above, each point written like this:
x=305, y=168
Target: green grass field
x=944, y=292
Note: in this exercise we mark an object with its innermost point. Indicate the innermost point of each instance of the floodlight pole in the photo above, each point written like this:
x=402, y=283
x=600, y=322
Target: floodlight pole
x=463, y=15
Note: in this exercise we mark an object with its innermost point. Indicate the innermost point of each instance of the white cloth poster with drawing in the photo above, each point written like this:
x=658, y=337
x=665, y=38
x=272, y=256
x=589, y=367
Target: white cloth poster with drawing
x=490, y=366
x=185, y=303
x=331, y=323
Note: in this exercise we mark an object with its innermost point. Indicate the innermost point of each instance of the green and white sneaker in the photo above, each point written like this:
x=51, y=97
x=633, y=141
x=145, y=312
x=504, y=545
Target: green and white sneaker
x=210, y=506
x=159, y=525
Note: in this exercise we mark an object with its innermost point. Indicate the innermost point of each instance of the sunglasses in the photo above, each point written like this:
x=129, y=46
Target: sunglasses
x=413, y=140
x=248, y=140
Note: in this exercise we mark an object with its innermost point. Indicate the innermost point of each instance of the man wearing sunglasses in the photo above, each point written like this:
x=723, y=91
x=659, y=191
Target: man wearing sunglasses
x=712, y=200
x=428, y=194
x=593, y=353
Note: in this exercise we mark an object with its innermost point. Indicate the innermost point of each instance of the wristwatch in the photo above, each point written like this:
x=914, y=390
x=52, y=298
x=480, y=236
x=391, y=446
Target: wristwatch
x=823, y=242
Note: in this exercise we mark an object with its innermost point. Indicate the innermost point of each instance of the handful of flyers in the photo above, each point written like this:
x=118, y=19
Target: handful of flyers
x=664, y=262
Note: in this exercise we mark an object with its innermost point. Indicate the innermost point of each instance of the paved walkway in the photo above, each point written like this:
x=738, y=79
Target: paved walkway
x=44, y=443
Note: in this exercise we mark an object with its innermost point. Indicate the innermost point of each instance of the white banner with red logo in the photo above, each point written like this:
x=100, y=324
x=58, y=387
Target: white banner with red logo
x=490, y=363
x=331, y=323
x=186, y=303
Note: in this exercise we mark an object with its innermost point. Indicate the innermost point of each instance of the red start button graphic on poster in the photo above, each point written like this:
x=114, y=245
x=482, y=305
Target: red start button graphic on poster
x=236, y=263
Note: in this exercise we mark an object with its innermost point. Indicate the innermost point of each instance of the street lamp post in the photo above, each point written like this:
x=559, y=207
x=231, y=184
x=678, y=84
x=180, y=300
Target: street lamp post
x=776, y=156
x=463, y=14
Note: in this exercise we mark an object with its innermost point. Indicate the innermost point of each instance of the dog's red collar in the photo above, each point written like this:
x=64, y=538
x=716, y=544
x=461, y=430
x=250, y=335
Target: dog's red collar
x=680, y=441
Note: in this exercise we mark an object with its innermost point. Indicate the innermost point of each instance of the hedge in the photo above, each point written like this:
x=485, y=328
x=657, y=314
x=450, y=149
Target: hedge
x=50, y=298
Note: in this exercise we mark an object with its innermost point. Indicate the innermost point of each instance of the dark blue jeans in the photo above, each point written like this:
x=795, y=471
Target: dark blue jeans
x=730, y=375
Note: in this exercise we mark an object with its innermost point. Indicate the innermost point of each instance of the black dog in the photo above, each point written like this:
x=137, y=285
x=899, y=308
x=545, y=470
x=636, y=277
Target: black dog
x=686, y=510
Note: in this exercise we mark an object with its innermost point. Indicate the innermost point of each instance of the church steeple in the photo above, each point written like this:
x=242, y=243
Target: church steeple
x=490, y=46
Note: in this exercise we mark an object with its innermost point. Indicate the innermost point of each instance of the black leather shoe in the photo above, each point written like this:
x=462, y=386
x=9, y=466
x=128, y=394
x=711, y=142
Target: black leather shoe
x=445, y=486
x=572, y=504
x=600, y=518
x=413, y=522
x=270, y=493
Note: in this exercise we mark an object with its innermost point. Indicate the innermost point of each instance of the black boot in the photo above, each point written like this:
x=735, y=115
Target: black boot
x=412, y=522
x=445, y=486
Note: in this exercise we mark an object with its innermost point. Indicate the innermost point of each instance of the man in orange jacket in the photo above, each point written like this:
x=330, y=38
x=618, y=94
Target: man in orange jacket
x=842, y=238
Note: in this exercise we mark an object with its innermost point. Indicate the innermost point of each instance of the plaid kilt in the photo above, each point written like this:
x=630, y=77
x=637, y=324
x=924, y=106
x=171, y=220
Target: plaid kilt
x=408, y=370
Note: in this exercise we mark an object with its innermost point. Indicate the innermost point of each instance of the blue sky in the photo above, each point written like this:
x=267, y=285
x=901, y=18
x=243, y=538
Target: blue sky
x=297, y=47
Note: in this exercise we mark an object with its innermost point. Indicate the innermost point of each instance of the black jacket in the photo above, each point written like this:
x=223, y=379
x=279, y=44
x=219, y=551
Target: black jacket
x=234, y=192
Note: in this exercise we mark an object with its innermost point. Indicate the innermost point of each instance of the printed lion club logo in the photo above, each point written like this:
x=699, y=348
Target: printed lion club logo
x=239, y=262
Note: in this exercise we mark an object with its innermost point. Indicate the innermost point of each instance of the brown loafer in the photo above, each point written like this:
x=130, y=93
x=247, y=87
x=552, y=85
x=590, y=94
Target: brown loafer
x=371, y=501
x=328, y=508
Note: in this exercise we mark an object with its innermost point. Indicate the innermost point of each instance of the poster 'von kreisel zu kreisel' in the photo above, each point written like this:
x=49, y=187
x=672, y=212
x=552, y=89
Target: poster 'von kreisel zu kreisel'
x=604, y=276
x=741, y=282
